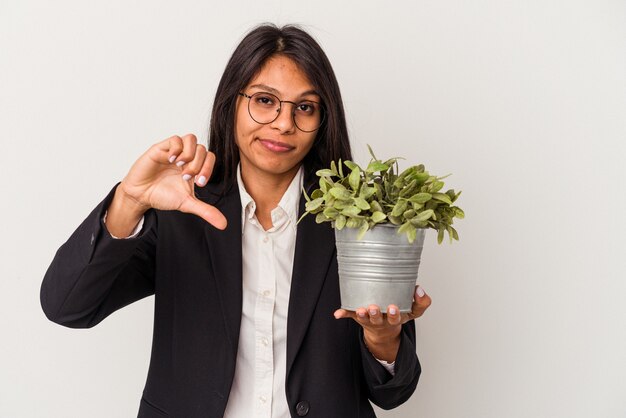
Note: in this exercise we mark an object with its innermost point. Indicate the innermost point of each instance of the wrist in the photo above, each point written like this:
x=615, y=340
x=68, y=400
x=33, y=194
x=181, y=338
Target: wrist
x=383, y=345
x=123, y=213
x=127, y=203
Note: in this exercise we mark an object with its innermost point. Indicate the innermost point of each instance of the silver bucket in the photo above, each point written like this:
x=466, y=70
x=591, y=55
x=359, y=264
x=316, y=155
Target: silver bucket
x=380, y=268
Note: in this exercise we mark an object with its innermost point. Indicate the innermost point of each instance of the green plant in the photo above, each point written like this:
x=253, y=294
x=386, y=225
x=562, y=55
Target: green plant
x=352, y=197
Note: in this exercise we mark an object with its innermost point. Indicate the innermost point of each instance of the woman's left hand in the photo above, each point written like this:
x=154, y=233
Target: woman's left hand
x=382, y=331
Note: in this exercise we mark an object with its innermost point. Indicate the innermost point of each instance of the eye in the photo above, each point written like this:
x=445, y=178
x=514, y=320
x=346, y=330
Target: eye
x=307, y=108
x=264, y=100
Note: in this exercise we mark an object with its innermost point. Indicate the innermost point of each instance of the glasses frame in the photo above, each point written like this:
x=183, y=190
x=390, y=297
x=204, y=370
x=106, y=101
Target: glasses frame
x=280, y=108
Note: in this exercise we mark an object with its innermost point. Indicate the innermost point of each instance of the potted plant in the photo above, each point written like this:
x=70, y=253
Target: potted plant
x=380, y=216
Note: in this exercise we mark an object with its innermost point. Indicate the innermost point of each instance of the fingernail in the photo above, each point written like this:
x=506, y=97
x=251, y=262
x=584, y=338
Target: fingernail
x=202, y=181
x=186, y=177
x=172, y=158
x=360, y=313
x=373, y=312
x=180, y=163
x=392, y=311
x=420, y=292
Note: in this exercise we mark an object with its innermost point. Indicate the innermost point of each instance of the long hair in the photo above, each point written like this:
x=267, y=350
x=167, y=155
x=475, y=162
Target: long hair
x=260, y=44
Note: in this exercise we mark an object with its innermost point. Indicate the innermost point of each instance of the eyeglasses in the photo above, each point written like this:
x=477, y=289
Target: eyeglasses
x=264, y=108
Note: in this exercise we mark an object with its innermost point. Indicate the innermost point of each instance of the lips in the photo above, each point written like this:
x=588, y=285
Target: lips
x=276, y=146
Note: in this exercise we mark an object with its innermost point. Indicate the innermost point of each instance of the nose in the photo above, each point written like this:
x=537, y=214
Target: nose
x=285, y=120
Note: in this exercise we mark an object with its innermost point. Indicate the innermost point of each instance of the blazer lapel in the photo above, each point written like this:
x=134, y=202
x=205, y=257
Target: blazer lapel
x=225, y=250
x=313, y=252
x=314, y=249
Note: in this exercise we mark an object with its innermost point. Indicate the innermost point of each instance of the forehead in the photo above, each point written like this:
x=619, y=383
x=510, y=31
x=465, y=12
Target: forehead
x=283, y=75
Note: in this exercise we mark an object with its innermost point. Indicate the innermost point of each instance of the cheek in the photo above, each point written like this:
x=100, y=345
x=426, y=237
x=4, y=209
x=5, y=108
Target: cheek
x=244, y=126
x=241, y=127
x=311, y=142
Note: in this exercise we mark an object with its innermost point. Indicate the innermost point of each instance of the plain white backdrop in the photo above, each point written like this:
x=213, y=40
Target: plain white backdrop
x=523, y=101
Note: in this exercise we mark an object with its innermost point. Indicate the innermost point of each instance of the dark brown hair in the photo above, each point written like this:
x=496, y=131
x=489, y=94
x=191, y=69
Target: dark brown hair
x=263, y=42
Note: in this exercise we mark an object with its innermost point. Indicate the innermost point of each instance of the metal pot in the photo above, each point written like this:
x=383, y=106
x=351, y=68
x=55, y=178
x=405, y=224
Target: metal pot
x=380, y=268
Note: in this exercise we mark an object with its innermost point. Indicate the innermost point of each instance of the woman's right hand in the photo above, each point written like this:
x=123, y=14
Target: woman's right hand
x=163, y=178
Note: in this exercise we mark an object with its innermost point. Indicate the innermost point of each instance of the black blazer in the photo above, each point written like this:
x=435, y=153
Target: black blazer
x=194, y=271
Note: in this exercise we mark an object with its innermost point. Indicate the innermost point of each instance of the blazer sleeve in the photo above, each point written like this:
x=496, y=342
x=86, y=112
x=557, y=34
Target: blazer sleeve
x=389, y=391
x=93, y=274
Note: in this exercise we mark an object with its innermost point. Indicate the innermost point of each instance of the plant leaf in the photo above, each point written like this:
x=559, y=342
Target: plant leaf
x=390, y=162
x=379, y=191
x=376, y=207
x=321, y=218
x=342, y=204
x=404, y=227
x=420, y=198
x=323, y=185
x=399, y=207
x=314, y=204
x=458, y=212
x=325, y=172
x=355, y=179
x=411, y=235
x=442, y=197
x=317, y=193
x=375, y=166
x=450, y=234
x=371, y=152
x=340, y=193
x=331, y=212
x=351, y=211
x=421, y=177
x=333, y=168
x=361, y=203
x=436, y=186
x=408, y=189
x=340, y=222
x=362, y=230
x=408, y=214
x=378, y=217
x=440, y=235
x=419, y=224
x=366, y=192
x=425, y=215
x=352, y=223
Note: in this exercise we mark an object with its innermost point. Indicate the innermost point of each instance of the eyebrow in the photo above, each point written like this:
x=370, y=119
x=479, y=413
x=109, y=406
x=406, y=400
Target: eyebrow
x=276, y=92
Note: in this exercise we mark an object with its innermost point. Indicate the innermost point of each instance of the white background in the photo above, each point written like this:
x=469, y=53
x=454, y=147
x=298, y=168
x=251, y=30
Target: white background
x=523, y=101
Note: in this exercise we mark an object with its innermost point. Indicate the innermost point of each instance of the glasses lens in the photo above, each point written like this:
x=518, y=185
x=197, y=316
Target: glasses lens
x=308, y=116
x=265, y=107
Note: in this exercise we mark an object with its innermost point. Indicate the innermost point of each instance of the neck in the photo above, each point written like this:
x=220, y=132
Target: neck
x=266, y=191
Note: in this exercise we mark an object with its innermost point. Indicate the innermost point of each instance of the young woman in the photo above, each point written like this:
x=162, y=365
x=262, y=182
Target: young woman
x=246, y=319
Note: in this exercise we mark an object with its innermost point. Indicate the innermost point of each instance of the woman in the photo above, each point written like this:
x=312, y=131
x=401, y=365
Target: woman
x=246, y=318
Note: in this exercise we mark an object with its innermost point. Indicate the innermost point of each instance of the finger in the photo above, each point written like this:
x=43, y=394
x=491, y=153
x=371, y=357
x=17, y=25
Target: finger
x=189, y=150
x=393, y=315
x=193, y=167
x=207, y=212
x=376, y=317
x=207, y=169
x=169, y=148
x=344, y=313
x=361, y=316
x=421, y=302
